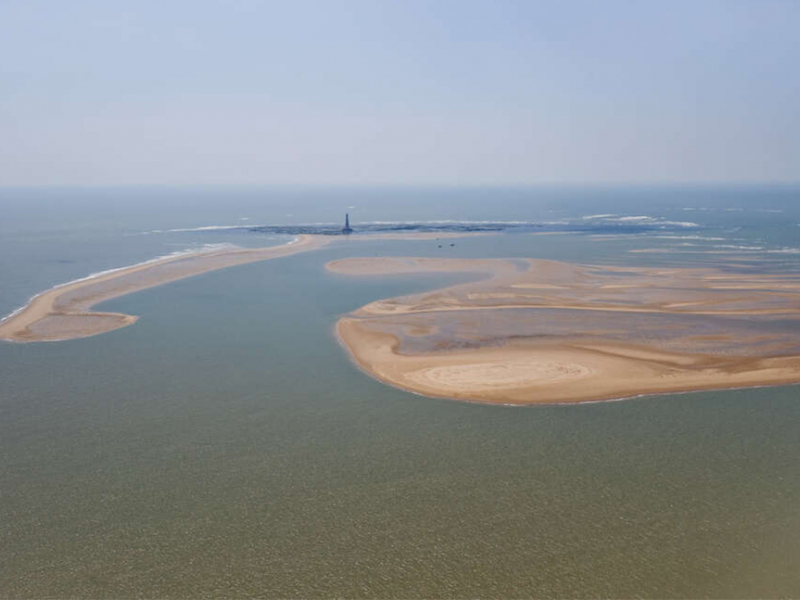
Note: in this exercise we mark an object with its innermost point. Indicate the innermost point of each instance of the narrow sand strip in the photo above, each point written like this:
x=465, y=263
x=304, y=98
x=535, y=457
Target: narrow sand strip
x=64, y=312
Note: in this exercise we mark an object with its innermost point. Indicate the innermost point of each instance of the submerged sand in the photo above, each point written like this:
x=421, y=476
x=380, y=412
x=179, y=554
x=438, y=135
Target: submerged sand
x=533, y=331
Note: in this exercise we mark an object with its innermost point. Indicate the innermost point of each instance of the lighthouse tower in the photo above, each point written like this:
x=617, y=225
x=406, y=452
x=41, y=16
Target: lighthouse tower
x=347, y=229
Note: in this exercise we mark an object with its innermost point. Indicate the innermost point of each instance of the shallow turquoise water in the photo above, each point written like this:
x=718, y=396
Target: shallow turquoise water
x=225, y=446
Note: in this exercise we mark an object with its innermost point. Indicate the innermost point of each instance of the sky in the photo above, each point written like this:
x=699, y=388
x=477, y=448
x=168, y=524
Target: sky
x=408, y=92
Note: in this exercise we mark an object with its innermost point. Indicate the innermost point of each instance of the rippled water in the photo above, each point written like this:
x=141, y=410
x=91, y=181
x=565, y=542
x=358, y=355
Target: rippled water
x=225, y=446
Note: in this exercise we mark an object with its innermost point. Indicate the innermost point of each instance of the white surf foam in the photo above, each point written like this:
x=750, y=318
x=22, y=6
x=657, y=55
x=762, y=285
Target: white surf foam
x=702, y=238
x=203, y=228
x=188, y=252
x=785, y=250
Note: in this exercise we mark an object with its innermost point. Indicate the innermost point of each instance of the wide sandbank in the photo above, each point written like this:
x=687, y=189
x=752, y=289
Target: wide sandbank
x=532, y=331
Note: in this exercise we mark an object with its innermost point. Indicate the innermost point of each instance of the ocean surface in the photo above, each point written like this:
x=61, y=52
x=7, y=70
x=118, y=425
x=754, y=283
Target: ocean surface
x=224, y=445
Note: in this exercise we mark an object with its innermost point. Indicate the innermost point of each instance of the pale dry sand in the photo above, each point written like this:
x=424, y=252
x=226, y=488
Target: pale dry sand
x=578, y=364
x=65, y=312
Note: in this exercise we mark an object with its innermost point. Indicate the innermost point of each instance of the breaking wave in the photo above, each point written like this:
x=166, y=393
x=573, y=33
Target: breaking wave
x=188, y=252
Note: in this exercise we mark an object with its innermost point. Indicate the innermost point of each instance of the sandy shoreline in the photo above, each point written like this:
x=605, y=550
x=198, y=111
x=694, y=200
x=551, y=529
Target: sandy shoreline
x=524, y=332
x=64, y=312
x=574, y=334
x=550, y=374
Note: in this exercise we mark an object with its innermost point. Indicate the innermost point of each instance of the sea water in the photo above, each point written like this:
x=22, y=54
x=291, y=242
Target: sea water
x=224, y=445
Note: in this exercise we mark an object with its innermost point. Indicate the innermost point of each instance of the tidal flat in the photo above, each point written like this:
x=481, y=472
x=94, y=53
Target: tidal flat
x=533, y=331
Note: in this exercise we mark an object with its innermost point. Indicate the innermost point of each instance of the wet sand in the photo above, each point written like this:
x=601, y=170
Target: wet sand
x=553, y=332
x=64, y=312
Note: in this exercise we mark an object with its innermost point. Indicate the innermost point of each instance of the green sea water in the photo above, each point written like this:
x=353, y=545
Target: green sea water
x=224, y=446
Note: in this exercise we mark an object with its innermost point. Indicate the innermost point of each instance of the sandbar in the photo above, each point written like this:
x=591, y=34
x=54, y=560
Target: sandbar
x=64, y=312
x=555, y=332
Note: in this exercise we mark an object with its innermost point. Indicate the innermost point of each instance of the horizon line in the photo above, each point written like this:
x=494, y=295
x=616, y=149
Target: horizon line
x=549, y=184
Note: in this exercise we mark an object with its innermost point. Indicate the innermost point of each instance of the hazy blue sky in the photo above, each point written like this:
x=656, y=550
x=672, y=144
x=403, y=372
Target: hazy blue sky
x=417, y=92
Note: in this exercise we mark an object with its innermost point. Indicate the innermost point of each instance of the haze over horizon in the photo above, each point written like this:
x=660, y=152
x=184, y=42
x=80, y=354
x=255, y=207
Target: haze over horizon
x=420, y=93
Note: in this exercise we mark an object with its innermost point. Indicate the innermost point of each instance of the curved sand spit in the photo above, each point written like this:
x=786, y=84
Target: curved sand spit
x=64, y=312
x=548, y=332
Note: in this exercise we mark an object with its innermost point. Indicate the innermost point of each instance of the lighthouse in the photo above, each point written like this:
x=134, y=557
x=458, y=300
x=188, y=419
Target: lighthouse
x=347, y=229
